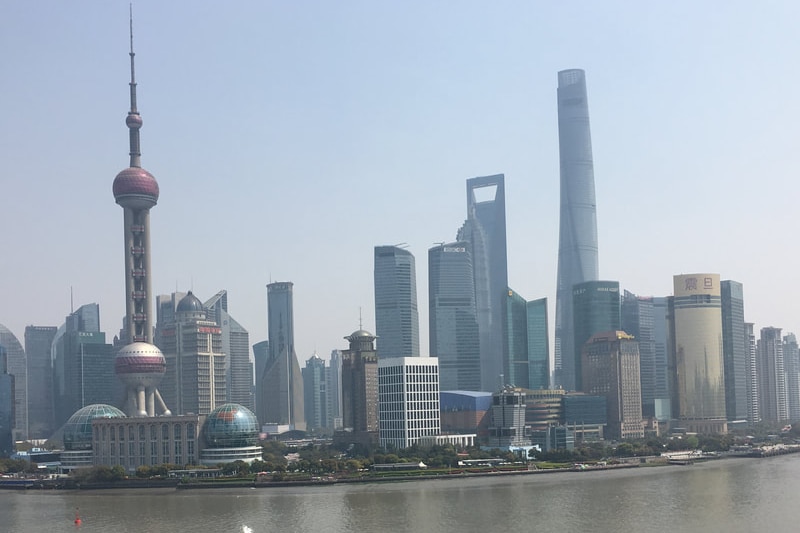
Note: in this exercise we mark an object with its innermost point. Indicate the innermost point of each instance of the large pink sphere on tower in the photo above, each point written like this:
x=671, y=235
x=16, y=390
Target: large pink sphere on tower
x=136, y=188
x=140, y=365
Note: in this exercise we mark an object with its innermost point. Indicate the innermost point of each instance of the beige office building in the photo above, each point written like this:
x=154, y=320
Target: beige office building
x=696, y=351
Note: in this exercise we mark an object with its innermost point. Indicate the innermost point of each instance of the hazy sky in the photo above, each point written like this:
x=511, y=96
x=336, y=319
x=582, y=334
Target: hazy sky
x=290, y=138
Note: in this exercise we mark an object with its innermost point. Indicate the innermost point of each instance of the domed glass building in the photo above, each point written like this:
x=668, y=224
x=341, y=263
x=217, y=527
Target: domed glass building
x=231, y=434
x=78, y=429
x=78, y=436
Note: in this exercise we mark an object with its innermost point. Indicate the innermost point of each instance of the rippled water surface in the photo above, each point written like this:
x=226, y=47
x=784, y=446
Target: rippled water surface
x=733, y=495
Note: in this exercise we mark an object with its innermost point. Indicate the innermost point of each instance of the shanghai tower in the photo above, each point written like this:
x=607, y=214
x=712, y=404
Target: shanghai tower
x=577, y=238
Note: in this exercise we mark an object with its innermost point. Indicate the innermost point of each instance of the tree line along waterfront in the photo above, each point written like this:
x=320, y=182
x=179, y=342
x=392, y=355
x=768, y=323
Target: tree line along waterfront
x=286, y=462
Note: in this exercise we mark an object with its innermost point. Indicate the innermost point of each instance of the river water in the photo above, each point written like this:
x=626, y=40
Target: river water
x=730, y=495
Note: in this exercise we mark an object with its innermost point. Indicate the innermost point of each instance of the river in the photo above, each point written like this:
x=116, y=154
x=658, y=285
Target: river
x=730, y=495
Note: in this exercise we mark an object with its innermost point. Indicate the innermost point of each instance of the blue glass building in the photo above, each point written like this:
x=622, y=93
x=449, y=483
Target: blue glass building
x=396, y=313
x=577, y=238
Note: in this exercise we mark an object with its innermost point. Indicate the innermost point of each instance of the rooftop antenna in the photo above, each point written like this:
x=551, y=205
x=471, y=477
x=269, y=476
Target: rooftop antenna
x=360, y=323
x=71, y=301
x=134, y=120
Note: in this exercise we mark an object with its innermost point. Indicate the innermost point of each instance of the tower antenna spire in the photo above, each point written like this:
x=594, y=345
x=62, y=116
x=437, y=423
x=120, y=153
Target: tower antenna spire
x=134, y=120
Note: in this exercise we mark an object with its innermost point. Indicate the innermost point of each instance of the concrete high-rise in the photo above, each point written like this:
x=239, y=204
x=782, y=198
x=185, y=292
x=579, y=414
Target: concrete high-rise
x=485, y=231
x=408, y=400
x=577, y=237
x=791, y=359
x=17, y=367
x=696, y=354
x=734, y=350
x=595, y=309
x=335, y=390
x=194, y=382
x=7, y=405
x=452, y=316
x=38, y=347
x=236, y=347
x=139, y=364
x=753, y=411
x=359, y=390
x=610, y=368
x=773, y=400
x=282, y=381
x=396, y=313
x=645, y=317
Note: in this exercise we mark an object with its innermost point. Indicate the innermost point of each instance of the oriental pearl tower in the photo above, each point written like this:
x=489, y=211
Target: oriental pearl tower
x=140, y=365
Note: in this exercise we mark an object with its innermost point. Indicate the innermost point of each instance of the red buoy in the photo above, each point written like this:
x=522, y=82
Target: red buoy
x=77, y=517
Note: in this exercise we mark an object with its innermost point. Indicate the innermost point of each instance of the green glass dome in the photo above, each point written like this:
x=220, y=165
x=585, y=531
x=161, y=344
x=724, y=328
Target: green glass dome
x=78, y=429
x=230, y=426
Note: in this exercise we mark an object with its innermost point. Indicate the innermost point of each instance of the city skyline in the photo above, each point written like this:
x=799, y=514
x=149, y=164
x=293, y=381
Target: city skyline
x=716, y=124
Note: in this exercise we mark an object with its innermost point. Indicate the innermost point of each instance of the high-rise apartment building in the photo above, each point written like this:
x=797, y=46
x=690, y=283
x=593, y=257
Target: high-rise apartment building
x=38, y=348
x=7, y=405
x=396, y=313
x=577, y=237
x=315, y=390
x=452, y=316
x=485, y=231
x=753, y=412
x=360, y=389
x=17, y=367
x=236, y=347
x=282, y=382
x=528, y=364
x=791, y=358
x=595, y=309
x=734, y=350
x=696, y=354
x=408, y=400
x=610, y=368
x=773, y=402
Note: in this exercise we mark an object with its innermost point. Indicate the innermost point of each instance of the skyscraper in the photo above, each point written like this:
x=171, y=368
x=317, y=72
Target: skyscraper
x=359, y=390
x=17, y=367
x=610, y=368
x=282, y=382
x=452, y=316
x=83, y=364
x=753, y=394
x=194, y=381
x=773, y=401
x=527, y=365
x=315, y=390
x=485, y=231
x=396, y=314
x=791, y=358
x=696, y=354
x=139, y=364
x=577, y=237
x=408, y=400
x=595, y=309
x=335, y=390
x=7, y=405
x=236, y=347
x=38, y=346
x=734, y=350
x=261, y=357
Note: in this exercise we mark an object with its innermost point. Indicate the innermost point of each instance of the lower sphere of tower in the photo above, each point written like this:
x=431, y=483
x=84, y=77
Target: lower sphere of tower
x=136, y=188
x=140, y=365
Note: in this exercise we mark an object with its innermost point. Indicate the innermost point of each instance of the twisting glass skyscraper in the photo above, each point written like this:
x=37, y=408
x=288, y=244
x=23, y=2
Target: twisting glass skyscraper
x=577, y=246
x=485, y=231
x=396, y=312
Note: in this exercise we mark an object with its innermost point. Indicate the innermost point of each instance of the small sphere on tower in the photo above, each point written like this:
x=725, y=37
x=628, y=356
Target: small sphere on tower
x=134, y=120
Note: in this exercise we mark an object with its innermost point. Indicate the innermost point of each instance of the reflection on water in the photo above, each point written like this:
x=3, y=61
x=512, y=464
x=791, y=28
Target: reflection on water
x=736, y=495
